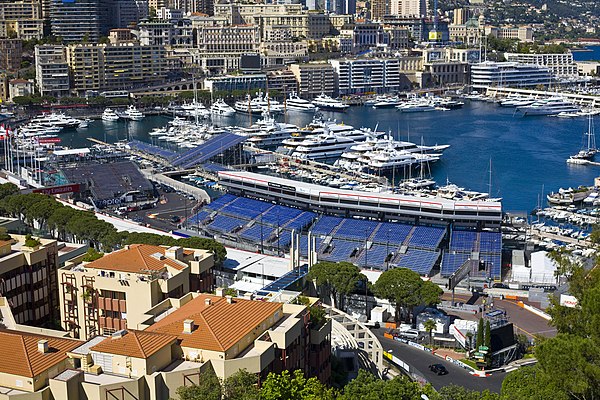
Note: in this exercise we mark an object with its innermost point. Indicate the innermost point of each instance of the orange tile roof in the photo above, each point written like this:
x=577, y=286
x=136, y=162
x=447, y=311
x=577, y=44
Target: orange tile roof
x=20, y=355
x=138, y=257
x=137, y=344
x=218, y=326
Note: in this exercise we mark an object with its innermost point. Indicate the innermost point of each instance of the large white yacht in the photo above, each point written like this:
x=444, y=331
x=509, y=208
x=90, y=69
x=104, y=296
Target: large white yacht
x=386, y=102
x=109, y=115
x=55, y=119
x=295, y=103
x=387, y=159
x=416, y=106
x=133, y=114
x=258, y=104
x=325, y=102
x=350, y=159
x=551, y=106
x=195, y=109
x=222, y=109
x=267, y=132
x=329, y=145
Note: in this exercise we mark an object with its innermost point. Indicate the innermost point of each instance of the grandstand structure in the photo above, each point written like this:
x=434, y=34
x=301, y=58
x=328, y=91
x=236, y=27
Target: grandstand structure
x=482, y=249
x=414, y=210
x=224, y=148
x=381, y=245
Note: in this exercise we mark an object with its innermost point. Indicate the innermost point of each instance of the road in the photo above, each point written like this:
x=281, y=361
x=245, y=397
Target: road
x=525, y=322
x=420, y=360
x=162, y=216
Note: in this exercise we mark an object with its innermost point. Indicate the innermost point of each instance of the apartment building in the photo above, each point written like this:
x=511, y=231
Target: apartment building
x=409, y=8
x=115, y=291
x=560, y=65
x=242, y=13
x=52, y=70
x=176, y=33
x=116, y=67
x=314, y=79
x=220, y=48
x=28, y=279
x=3, y=87
x=11, y=52
x=378, y=9
x=23, y=18
x=182, y=338
x=356, y=76
x=78, y=21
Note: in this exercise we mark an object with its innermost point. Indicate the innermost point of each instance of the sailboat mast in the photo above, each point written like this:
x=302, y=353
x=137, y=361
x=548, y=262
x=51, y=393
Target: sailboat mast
x=490, y=181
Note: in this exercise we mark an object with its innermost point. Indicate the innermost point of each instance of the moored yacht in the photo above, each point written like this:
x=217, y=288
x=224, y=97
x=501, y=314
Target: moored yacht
x=325, y=102
x=295, y=103
x=109, y=115
x=258, y=105
x=221, y=108
x=133, y=114
x=551, y=106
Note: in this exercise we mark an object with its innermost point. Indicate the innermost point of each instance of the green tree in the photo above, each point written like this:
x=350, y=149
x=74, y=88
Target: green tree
x=429, y=326
x=294, y=386
x=487, y=337
x=454, y=392
x=208, y=388
x=92, y=255
x=480, y=338
x=241, y=386
x=367, y=387
x=405, y=289
x=335, y=279
x=529, y=383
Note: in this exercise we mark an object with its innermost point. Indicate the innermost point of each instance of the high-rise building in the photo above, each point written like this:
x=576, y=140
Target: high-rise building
x=460, y=16
x=21, y=19
x=409, y=8
x=78, y=20
x=127, y=12
x=379, y=8
x=51, y=70
x=11, y=51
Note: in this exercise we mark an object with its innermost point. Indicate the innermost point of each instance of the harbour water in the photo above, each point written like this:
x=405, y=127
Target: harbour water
x=592, y=55
x=526, y=153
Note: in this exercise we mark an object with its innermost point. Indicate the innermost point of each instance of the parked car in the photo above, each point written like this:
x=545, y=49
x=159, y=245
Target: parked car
x=410, y=334
x=438, y=369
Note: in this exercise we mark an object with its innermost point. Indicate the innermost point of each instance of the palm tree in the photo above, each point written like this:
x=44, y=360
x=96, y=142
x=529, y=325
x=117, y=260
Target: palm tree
x=430, y=325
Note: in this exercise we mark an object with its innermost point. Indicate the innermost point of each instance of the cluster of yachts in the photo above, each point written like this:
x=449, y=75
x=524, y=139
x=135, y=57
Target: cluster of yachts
x=353, y=149
x=533, y=105
x=49, y=125
x=414, y=103
x=131, y=113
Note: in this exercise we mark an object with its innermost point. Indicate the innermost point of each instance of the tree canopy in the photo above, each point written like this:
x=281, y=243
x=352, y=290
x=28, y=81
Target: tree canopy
x=337, y=279
x=406, y=289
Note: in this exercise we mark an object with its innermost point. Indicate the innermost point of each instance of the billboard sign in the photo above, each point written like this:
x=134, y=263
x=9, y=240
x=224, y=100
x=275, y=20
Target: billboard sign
x=58, y=189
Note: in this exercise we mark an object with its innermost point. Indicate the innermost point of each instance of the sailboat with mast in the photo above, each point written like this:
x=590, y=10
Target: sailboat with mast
x=586, y=153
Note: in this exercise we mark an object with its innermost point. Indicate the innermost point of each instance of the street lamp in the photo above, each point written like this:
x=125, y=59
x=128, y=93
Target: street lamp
x=387, y=257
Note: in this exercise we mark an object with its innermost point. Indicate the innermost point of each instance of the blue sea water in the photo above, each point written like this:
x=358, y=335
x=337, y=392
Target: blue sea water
x=593, y=55
x=527, y=154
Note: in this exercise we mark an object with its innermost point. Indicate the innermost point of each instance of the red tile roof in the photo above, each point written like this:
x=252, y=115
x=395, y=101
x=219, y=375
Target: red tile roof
x=218, y=326
x=137, y=344
x=137, y=258
x=20, y=355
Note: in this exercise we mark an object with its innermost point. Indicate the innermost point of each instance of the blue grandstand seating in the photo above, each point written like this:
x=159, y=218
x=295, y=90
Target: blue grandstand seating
x=302, y=220
x=420, y=261
x=341, y=251
x=246, y=208
x=375, y=256
x=279, y=215
x=426, y=237
x=494, y=263
x=225, y=224
x=356, y=228
x=255, y=231
x=463, y=241
x=221, y=202
x=452, y=261
x=325, y=225
x=490, y=242
x=199, y=218
x=391, y=233
x=304, y=245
